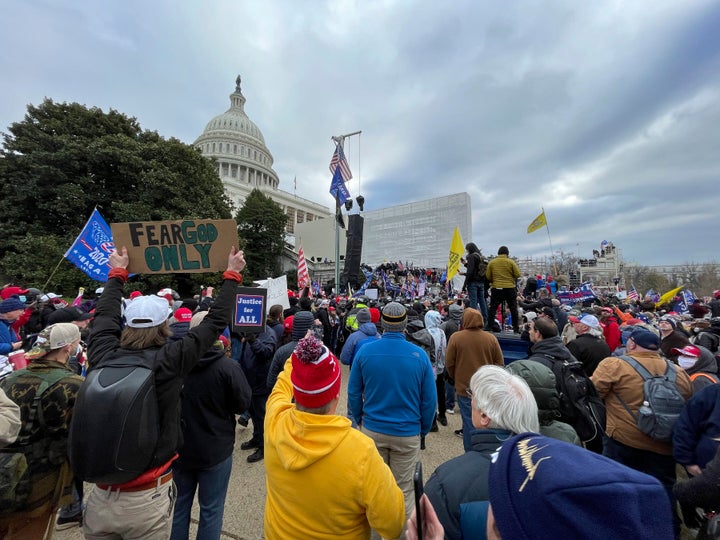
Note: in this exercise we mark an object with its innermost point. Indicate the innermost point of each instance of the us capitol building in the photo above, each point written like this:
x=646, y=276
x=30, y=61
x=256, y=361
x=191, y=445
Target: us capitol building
x=245, y=163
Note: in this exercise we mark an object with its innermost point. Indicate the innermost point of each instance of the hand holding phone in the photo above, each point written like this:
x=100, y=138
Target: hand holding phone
x=418, y=487
x=432, y=529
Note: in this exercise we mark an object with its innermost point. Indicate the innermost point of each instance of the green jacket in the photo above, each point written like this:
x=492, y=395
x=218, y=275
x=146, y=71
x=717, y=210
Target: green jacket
x=502, y=272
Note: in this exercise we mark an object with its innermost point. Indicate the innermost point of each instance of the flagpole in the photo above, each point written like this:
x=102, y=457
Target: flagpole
x=44, y=288
x=339, y=139
x=552, y=253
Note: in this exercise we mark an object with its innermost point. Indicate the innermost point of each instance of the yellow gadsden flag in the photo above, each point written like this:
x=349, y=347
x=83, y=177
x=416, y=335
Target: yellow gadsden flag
x=668, y=296
x=456, y=251
x=537, y=223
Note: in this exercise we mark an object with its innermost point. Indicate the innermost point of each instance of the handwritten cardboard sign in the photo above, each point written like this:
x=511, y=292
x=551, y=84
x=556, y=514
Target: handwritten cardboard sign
x=250, y=309
x=183, y=246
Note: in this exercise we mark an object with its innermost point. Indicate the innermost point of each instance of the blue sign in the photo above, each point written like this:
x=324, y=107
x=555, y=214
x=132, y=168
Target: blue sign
x=250, y=310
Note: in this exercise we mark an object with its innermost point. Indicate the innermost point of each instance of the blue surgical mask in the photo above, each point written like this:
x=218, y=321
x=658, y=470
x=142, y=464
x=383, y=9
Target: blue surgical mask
x=23, y=298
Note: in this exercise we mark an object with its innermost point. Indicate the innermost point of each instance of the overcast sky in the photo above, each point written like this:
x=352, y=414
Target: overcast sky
x=607, y=114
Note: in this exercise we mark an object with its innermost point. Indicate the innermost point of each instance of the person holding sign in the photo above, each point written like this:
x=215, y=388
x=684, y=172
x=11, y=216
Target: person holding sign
x=143, y=506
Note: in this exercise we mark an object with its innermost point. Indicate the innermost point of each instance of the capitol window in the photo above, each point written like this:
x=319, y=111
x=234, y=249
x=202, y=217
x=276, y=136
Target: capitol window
x=235, y=148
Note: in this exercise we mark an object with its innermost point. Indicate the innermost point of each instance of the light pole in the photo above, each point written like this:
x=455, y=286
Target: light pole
x=339, y=140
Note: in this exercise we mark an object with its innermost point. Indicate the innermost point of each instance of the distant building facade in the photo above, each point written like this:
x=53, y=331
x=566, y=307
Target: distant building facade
x=418, y=232
x=245, y=163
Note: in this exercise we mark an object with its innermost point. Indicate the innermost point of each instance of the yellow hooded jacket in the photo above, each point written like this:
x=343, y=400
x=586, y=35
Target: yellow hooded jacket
x=325, y=480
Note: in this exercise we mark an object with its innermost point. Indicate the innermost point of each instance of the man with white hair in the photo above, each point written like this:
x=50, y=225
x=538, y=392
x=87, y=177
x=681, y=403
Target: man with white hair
x=502, y=405
x=589, y=346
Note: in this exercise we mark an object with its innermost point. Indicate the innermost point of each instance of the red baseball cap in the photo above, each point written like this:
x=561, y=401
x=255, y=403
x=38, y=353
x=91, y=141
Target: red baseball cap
x=183, y=314
x=7, y=292
x=688, y=350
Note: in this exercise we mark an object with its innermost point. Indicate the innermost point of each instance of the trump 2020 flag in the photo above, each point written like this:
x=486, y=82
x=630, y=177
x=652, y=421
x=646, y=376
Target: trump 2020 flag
x=338, y=188
x=91, y=250
x=456, y=252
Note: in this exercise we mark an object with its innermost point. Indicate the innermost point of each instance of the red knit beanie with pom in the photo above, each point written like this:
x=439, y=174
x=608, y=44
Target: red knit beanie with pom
x=316, y=375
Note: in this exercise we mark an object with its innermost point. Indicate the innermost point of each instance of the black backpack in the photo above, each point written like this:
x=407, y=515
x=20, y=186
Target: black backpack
x=17, y=459
x=580, y=404
x=115, y=424
x=480, y=267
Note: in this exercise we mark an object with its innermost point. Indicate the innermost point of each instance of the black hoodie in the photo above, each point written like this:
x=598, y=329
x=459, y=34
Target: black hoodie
x=214, y=392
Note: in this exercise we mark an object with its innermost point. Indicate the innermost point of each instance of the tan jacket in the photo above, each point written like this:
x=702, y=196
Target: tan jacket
x=470, y=348
x=502, y=272
x=614, y=377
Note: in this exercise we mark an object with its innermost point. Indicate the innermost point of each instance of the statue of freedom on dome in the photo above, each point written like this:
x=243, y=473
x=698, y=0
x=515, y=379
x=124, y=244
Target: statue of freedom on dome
x=237, y=83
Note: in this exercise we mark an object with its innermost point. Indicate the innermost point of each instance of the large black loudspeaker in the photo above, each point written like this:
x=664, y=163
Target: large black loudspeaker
x=353, y=250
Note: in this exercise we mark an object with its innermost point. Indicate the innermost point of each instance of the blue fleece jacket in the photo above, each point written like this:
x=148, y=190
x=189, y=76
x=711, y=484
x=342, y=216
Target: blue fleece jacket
x=392, y=387
x=365, y=331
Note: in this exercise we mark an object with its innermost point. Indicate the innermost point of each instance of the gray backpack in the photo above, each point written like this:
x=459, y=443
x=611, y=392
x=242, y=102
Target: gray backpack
x=662, y=402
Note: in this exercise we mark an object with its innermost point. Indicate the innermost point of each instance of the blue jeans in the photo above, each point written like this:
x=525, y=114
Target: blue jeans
x=476, y=292
x=449, y=396
x=465, y=406
x=212, y=484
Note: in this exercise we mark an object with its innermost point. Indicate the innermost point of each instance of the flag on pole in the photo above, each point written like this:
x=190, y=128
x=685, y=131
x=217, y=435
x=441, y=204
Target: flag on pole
x=91, y=250
x=537, y=223
x=338, y=189
x=303, y=276
x=668, y=296
x=456, y=251
x=339, y=161
x=632, y=293
x=79, y=298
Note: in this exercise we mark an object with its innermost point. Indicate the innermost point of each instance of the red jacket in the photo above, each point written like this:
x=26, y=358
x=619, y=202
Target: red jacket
x=611, y=331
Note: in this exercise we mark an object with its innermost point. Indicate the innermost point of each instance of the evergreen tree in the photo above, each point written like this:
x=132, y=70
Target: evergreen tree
x=64, y=159
x=261, y=226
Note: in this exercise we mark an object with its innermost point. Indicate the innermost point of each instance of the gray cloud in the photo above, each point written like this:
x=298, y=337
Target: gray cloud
x=605, y=114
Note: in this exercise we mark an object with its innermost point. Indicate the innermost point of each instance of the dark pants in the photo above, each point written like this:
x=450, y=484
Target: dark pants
x=440, y=387
x=450, y=396
x=497, y=297
x=656, y=465
x=257, y=414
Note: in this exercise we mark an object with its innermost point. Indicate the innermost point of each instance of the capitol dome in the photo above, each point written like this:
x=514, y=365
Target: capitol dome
x=238, y=146
x=245, y=163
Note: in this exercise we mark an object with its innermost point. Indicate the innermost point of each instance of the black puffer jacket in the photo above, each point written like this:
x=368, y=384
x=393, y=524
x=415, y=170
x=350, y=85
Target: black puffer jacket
x=590, y=350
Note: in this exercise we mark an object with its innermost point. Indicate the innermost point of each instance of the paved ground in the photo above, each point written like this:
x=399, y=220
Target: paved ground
x=246, y=495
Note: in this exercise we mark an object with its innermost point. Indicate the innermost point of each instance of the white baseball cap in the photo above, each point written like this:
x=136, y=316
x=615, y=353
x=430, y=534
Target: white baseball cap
x=146, y=311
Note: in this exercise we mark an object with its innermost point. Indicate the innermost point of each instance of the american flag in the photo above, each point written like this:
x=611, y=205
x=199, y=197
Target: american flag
x=339, y=160
x=632, y=293
x=303, y=275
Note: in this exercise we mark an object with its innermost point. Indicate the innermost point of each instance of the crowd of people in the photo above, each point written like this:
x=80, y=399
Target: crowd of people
x=550, y=441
